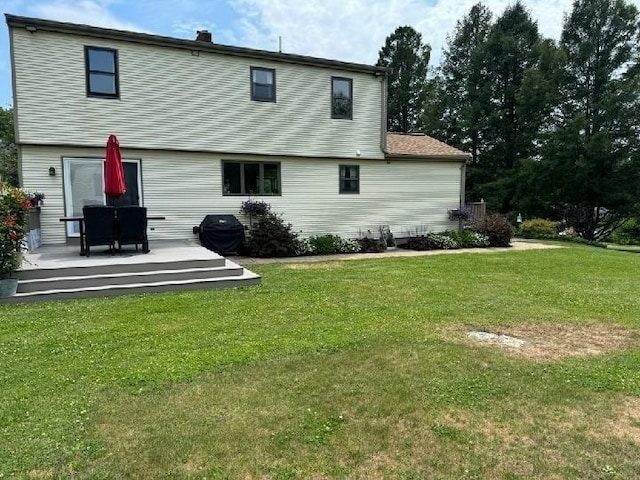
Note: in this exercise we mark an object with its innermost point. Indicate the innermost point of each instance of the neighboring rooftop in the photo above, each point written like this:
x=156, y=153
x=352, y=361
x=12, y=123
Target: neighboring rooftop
x=34, y=24
x=420, y=145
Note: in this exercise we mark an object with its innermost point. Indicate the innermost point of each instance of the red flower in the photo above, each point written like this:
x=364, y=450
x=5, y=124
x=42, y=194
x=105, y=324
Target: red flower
x=10, y=221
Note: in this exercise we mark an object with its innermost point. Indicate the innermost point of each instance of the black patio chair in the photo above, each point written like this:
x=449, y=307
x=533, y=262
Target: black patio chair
x=132, y=227
x=99, y=227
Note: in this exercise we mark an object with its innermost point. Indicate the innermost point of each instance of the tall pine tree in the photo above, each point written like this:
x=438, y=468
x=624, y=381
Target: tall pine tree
x=518, y=102
x=408, y=59
x=592, y=160
x=462, y=87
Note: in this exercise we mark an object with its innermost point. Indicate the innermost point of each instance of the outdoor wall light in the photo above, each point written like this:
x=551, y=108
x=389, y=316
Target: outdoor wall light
x=52, y=171
x=31, y=28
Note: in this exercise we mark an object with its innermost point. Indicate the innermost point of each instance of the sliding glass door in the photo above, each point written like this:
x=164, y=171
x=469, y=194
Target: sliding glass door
x=84, y=185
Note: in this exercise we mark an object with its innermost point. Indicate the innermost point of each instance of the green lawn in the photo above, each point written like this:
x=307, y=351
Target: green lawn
x=356, y=369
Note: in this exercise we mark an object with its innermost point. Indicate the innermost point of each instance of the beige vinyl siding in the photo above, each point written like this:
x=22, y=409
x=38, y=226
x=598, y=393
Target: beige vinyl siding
x=407, y=196
x=172, y=99
x=185, y=186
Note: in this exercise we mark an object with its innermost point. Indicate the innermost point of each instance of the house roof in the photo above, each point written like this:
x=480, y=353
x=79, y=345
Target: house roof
x=197, y=45
x=420, y=145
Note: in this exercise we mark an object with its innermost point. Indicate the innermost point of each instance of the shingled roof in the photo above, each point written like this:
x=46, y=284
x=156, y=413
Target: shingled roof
x=420, y=145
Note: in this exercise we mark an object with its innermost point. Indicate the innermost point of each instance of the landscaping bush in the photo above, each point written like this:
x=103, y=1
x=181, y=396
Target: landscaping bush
x=14, y=207
x=269, y=236
x=349, y=246
x=628, y=233
x=538, y=228
x=496, y=227
x=325, y=244
x=371, y=245
x=468, y=239
x=431, y=241
x=303, y=247
x=330, y=244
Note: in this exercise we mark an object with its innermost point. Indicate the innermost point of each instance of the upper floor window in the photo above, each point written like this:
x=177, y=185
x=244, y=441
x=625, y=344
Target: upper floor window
x=349, y=179
x=250, y=178
x=341, y=97
x=263, y=84
x=101, y=65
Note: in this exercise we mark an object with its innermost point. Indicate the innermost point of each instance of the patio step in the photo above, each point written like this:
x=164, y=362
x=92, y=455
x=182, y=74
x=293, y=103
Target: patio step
x=126, y=278
x=117, y=268
x=246, y=279
x=167, y=270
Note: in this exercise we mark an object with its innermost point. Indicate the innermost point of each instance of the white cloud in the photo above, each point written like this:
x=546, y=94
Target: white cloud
x=90, y=12
x=354, y=30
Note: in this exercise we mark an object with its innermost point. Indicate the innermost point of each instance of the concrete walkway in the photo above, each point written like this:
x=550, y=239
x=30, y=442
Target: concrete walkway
x=516, y=245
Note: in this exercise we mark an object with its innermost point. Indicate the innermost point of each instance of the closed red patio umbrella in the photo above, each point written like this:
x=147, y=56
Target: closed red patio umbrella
x=114, y=183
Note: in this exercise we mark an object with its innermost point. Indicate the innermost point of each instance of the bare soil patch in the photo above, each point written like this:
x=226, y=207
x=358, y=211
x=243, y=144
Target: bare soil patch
x=626, y=422
x=549, y=342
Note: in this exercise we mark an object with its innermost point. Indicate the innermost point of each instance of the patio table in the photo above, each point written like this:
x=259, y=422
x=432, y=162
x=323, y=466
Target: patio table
x=80, y=220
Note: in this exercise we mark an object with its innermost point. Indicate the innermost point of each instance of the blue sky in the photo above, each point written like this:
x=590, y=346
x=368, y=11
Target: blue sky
x=349, y=30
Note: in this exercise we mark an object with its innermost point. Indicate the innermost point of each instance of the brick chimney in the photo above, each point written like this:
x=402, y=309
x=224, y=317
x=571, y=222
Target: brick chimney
x=204, y=36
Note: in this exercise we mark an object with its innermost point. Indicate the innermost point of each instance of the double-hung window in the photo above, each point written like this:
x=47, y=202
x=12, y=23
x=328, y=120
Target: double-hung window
x=341, y=98
x=250, y=178
x=101, y=66
x=263, y=84
x=349, y=179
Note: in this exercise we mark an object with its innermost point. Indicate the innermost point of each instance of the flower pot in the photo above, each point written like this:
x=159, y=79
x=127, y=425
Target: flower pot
x=8, y=287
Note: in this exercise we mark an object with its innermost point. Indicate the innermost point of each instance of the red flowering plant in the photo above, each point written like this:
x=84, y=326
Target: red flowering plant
x=14, y=208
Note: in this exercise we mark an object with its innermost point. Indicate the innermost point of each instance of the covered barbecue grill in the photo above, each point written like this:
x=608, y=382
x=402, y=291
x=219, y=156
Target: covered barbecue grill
x=223, y=234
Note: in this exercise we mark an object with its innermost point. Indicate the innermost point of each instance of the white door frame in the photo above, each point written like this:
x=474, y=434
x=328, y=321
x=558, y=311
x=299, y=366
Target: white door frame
x=72, y=227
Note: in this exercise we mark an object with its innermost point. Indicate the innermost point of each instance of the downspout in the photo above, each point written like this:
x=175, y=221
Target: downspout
x=383, y=113
x=463, y=177
x=16, y=133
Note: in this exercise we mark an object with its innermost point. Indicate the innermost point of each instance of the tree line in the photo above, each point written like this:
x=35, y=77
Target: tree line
x=552, y=127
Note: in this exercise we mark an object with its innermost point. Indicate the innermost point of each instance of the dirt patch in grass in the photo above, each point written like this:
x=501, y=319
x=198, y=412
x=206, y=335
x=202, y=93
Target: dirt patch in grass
x=625, y=423
x=549, y=342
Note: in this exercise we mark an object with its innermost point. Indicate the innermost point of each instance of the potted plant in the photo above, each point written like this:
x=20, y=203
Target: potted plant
x=35, y=199
x=461, y=214
x=14, y=208
x=254, y=208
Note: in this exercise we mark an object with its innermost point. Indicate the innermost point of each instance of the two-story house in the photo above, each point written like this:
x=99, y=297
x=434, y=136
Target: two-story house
x=204, y=127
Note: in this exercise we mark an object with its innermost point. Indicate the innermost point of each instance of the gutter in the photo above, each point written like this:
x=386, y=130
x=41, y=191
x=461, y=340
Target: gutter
x=447, y=158
x=35, y=24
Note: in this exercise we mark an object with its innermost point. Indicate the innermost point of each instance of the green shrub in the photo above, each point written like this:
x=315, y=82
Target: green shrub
x=330, y=244
x=431, y=241
x=371, y=245
x=468, y=239
x=496, y=227
x=325, y=244
x=303, y=247
x=538, y=228
x=349, y=246
x=14, y=209
x=628, y=233
x=269, y=236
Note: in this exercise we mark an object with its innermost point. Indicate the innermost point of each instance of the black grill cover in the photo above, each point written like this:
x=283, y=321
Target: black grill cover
x=223, y=234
